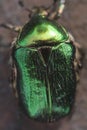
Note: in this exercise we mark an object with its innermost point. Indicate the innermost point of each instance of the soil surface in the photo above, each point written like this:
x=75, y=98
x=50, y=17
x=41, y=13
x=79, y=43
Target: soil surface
x=74, y=19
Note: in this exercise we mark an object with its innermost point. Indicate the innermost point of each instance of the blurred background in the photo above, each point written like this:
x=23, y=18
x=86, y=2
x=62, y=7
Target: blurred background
x=74, y=19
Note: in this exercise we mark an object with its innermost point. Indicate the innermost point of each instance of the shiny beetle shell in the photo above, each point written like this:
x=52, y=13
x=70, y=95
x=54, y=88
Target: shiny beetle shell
x=44, y=57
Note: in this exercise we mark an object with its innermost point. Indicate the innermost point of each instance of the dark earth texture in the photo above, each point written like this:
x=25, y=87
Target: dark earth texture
x=74, y=19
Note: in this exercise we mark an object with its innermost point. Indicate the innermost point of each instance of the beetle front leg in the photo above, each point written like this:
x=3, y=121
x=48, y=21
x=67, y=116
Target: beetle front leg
x=11, y=27
x=21, y=4
x=56, y=10
x=61, y=7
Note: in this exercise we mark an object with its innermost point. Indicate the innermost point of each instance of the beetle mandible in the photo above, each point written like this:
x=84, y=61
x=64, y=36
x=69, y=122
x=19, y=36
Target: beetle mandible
x=45, y=64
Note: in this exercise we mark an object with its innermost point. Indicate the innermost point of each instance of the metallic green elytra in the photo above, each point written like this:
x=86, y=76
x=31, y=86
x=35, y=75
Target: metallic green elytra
x=44, y=59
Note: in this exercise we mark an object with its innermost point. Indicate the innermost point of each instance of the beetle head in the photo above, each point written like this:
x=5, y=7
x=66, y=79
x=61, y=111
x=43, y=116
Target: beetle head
x=51, y=12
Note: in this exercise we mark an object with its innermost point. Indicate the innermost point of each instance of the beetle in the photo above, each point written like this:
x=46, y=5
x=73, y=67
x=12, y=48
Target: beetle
x=45, y=64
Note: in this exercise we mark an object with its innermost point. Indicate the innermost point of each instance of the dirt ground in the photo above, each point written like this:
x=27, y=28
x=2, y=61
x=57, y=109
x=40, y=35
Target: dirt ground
x=74, y=19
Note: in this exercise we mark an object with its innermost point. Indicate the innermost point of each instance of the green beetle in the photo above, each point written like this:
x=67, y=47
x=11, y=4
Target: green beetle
x=45, y=65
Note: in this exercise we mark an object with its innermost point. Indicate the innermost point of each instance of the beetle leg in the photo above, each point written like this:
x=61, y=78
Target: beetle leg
x=57, y=9
x=21, y=4
x=13, y=71
x=61, y=7
x=11, y=27
x=13, y=78
x=78, y=56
